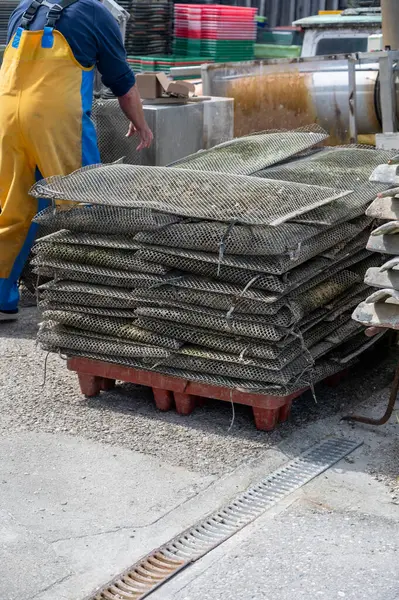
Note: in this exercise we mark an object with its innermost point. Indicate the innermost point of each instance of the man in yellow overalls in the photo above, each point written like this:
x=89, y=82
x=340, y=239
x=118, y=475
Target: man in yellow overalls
x=46, y=93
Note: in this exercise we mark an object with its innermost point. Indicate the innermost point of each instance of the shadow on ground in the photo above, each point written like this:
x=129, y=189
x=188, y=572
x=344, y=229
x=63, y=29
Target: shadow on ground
x=373, y=373
x=24, y=328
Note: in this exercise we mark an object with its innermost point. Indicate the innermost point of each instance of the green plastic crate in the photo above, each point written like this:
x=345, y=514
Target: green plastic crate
x=277, y=51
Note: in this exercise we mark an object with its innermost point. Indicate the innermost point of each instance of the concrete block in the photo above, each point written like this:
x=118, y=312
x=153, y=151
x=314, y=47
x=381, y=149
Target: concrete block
x=218, y=121
x=387, y=141
x=179, y=130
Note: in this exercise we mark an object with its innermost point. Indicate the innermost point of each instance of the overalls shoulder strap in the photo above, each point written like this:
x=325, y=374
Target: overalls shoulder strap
x=54, y=13
x=56, y=10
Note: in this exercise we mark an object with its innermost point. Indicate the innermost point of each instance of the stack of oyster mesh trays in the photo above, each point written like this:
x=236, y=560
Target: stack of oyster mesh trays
x=239, y=266
x=381, y=308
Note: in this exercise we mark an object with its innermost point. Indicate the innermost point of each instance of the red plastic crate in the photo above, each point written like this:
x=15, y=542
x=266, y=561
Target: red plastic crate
x=214, y=22
x=185, y=396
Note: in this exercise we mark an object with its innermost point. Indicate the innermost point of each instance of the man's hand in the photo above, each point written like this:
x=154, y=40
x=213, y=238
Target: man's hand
x=145, y=134
x=131, y=105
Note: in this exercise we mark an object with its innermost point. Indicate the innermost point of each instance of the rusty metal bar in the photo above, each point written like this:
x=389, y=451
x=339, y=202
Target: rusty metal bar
x=388, y=413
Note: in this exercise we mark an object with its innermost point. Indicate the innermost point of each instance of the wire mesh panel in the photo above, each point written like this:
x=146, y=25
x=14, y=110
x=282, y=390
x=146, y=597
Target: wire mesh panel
x=109, y=220
x=342, y=167
x=276, y=356
x=215, y=196
x=320, y=371
x=117, y=328
x=239, y=239
x=191, y=261
x=348, y=207
x=292, y=365
x=64, y=236
x=210, y=321
x=124, y=260
x=61, y=270
x=246, y=155
x=124, y=313
x=77, y=293
x=287, y=238
x=82, y=341
x=234, y=370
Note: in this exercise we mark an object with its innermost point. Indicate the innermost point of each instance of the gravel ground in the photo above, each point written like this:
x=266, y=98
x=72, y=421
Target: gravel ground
x=127, y=416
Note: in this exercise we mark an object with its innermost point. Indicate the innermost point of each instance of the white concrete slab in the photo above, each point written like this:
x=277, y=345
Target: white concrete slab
x=74, y=505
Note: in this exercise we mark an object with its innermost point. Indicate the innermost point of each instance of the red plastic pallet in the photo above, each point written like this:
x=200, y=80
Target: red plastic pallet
x=97, y=376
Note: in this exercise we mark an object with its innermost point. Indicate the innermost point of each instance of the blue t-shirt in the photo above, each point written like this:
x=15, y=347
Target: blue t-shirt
x=93, y=35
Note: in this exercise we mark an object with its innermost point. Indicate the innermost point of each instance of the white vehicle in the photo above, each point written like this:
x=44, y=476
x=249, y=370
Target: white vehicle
x=345, y=33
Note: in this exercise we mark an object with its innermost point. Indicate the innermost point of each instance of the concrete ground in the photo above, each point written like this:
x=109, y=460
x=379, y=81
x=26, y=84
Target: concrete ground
x=89, y=486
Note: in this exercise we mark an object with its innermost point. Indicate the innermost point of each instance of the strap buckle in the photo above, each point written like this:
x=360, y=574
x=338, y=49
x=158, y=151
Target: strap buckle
x=30, y=12
x=53, y=15
x=55, y=8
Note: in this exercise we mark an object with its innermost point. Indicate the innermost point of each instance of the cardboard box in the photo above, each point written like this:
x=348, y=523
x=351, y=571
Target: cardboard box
x=157, y=85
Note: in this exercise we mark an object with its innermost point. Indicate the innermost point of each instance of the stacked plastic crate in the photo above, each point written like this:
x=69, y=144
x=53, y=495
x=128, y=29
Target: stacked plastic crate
x=160, y=63
x=214, y=31
x=149, y=30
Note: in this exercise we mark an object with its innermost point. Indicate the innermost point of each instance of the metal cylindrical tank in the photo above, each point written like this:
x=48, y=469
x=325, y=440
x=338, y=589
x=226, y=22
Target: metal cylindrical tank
x=329, y=92
x=286, y=95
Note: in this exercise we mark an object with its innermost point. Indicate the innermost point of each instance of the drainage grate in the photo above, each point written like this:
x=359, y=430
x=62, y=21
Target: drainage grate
x=155, y=569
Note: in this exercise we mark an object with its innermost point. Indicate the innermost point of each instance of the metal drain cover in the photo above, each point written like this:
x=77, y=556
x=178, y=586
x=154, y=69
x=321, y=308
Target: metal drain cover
x=157, y=567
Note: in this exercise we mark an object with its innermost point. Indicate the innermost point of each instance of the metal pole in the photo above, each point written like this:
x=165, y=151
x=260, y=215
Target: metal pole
x=388, y=94
x=206, y=82
x=352, y=99
x=390, y=23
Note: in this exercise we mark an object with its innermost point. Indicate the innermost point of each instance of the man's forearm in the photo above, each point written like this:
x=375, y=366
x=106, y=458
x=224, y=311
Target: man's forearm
x=131, y=105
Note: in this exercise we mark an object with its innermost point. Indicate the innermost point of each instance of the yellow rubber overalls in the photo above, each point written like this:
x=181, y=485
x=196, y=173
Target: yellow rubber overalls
x=45, y=129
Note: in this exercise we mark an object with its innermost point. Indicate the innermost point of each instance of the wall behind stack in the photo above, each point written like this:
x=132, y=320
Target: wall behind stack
x=284, y=12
